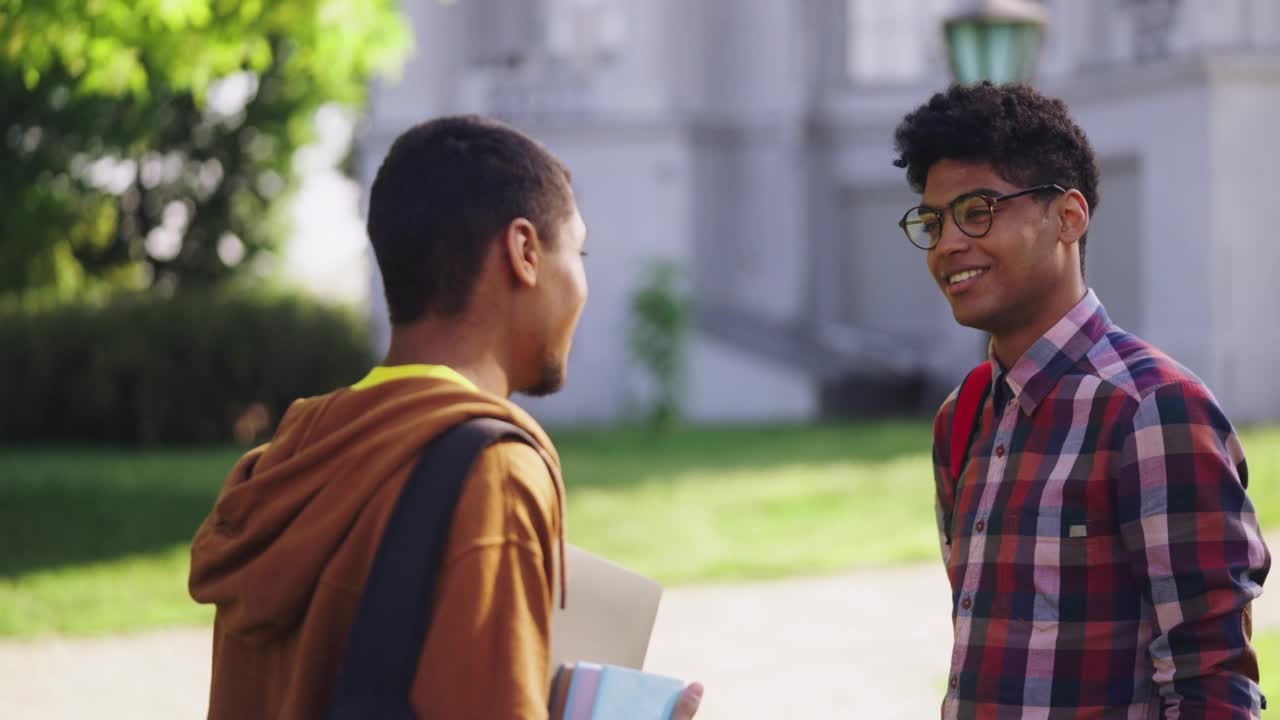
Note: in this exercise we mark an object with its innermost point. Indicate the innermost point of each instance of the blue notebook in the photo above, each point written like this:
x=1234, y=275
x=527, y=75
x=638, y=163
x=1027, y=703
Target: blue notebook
x=626, y=694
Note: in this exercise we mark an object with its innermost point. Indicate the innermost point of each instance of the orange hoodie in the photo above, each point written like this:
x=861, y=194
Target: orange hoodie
x=285, y=553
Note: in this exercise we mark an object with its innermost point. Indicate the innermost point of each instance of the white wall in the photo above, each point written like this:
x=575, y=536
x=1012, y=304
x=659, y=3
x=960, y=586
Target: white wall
x=717, y=139
x=1199, y=135
x=727, y=385
x=1244, y=274
x=881, y=282
x=1112, y=252
x=886, y=285
x=747, y=89
x=1158, y=115
x=428, y=85
x=633, y=191
x=625, y=128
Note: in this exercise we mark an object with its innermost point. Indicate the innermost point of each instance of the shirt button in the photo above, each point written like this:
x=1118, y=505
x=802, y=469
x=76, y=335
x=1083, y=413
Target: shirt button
x=955, y=682
x=966, y=603
x=999, y=451
x=980, y=526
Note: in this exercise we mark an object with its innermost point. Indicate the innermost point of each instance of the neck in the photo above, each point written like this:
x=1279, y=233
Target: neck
x=1011, y=345
x=458, y=344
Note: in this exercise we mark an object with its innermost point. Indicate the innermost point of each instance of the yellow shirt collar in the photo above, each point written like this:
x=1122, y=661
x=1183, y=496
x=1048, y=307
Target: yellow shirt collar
x=386, y=373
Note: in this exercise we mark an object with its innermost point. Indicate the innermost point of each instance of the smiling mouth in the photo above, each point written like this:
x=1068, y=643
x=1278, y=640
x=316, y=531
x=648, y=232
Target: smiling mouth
x=957, y=278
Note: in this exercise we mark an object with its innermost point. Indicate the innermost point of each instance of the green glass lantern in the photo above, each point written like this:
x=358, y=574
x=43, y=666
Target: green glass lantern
x=996, y=40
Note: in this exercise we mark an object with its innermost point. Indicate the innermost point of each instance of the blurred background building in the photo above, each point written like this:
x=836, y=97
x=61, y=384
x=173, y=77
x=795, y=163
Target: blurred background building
x=750, y=143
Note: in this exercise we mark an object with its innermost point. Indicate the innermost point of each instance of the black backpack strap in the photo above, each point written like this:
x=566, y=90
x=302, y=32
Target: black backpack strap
x=385, y=642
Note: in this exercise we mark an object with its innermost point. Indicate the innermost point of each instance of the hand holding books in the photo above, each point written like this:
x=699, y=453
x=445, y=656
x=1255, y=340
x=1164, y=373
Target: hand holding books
x=608, y=621
x=587, y=691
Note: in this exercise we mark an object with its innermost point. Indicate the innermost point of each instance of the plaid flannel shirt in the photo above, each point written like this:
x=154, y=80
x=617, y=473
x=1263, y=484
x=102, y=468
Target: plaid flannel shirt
x=1101, y=549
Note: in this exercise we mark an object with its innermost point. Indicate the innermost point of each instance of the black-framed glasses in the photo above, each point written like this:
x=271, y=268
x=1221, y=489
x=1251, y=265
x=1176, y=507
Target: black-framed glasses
x=972, y=212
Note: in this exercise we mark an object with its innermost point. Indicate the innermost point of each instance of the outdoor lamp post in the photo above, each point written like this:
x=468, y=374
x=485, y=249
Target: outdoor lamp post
x=996, y=40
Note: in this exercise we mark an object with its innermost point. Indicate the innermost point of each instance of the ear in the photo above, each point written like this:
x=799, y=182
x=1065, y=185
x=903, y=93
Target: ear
x=1073, y=217
x=523, y=251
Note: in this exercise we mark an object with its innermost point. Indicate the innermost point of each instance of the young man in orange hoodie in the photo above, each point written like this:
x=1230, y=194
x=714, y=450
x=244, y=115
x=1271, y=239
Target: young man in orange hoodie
x=480, y=243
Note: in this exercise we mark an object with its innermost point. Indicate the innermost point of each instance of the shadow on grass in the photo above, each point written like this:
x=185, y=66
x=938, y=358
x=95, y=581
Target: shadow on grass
x=71, y=506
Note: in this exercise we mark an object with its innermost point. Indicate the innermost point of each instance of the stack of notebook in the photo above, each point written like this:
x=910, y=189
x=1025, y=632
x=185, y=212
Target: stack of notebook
x=587, y=691
x=608, y=621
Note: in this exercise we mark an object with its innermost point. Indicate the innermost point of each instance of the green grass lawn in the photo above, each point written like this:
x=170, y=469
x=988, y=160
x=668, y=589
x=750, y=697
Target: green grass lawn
x=94, y=540
x=1267, y=645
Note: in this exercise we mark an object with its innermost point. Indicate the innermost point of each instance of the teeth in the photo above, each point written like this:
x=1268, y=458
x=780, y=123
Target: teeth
x=962, y=276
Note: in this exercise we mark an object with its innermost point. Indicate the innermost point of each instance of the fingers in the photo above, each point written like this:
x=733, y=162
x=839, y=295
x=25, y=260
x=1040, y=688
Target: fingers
x=687, y=705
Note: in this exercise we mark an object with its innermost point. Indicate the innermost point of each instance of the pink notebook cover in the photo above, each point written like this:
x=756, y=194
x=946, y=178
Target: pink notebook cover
x=582, y=694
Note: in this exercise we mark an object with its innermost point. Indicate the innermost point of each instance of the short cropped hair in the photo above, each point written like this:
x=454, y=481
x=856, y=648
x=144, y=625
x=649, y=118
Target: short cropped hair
x=446, y=189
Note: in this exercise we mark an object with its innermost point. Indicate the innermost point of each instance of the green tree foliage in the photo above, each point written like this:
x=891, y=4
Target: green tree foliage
x=149, y=143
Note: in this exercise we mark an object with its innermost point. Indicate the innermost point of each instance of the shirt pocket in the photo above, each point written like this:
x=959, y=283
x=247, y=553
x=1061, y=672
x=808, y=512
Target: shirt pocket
x=1063, y=570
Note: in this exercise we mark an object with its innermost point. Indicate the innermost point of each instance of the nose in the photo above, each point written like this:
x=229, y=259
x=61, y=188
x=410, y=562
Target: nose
x=951, y=240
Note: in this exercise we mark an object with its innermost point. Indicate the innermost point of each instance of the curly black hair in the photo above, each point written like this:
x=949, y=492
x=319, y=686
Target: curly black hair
x=1028, y=139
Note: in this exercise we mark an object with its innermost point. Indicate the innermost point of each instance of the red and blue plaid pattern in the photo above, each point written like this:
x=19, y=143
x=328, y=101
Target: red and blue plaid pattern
x=1102, y=551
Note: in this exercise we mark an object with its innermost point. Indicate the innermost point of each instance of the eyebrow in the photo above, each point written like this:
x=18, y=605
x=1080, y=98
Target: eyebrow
x=991, y=192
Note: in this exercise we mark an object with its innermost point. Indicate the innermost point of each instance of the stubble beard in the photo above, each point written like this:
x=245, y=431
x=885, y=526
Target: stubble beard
x=550, y=379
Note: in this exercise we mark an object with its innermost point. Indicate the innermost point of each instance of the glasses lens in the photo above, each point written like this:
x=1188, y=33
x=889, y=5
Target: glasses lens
x=973, y=214
x=922, y=227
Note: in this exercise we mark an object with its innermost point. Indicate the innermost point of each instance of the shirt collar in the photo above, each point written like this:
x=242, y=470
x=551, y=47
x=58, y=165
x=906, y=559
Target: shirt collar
x=1036, y=373
x=386, y=373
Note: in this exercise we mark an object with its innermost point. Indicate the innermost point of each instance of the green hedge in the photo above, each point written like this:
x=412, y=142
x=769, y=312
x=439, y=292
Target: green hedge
x=197, y=368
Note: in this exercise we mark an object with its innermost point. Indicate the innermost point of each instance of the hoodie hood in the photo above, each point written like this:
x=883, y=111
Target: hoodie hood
x=287, y=506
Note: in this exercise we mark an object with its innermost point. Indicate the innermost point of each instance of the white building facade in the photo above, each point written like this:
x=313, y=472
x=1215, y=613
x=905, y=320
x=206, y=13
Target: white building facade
x=750, y=143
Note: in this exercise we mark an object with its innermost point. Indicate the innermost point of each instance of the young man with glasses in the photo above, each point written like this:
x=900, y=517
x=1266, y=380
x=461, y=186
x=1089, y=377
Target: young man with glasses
x=1091, y=501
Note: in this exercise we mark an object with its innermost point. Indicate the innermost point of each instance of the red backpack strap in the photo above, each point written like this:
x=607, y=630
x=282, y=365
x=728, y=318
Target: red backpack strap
x=972, y=392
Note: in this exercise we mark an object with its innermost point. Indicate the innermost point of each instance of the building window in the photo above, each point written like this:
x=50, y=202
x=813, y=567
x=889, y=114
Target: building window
x=1153, y=24
x=499, y=31
x=894, y=42
x=585, y=32
x=515, y=33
